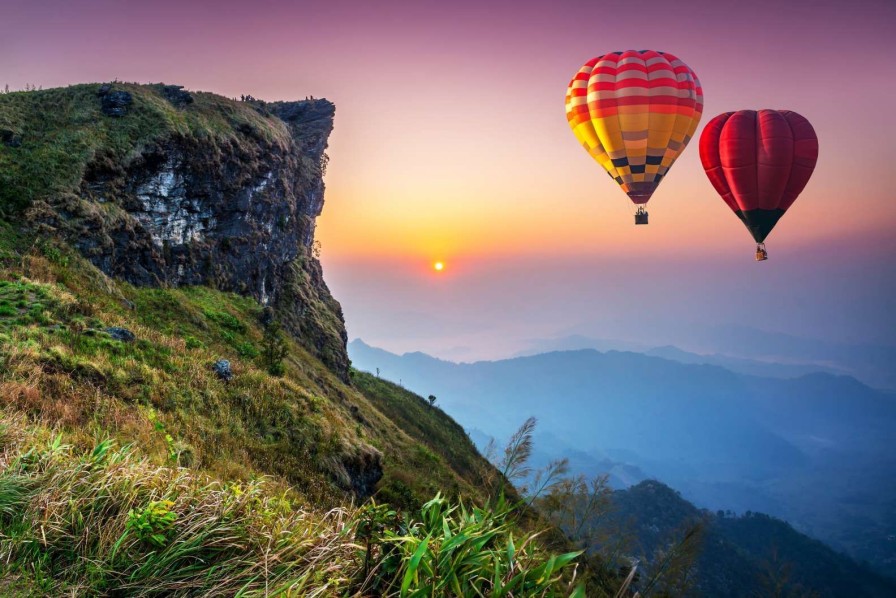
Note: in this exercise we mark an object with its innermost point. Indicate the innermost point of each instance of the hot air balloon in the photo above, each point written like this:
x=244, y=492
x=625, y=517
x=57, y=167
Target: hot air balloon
x=759, y=162
x=635, y=112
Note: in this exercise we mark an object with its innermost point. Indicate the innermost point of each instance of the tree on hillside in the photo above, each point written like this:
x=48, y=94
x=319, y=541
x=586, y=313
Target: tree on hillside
x=431, y=399
x=275, y=348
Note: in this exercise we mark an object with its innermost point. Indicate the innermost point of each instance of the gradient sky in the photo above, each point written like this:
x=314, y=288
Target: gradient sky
x=451, y=143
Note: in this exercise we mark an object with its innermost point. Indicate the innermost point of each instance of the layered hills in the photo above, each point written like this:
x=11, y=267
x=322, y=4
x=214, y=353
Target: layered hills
x=814, y=449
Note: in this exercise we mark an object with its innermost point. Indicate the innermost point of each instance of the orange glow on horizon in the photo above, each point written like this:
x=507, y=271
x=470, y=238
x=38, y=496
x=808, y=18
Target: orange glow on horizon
x=451, y=138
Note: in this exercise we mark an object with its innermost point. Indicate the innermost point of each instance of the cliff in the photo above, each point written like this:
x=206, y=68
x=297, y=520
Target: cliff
x=147, y=236
x=162, y=187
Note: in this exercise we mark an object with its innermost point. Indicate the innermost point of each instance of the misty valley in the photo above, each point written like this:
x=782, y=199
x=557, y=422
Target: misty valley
x=814, y=450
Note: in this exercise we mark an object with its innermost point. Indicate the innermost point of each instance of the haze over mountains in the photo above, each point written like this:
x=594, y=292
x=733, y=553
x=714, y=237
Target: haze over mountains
x=749, y=350
x=814, y=450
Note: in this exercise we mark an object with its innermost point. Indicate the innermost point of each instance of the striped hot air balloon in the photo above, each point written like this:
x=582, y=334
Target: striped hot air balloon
x=759, y=162
x=635, y=112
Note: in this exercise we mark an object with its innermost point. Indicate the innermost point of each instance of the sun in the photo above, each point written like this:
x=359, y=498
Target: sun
x=438, y=266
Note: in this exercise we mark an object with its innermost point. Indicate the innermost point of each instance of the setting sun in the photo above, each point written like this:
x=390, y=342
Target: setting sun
x=438, y=266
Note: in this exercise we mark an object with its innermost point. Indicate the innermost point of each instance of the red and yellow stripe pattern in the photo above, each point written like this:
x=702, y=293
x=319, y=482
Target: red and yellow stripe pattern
x=635, y=112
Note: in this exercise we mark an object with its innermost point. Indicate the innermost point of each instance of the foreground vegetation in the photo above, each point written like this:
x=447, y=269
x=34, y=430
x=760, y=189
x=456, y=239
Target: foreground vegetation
x=110, y=522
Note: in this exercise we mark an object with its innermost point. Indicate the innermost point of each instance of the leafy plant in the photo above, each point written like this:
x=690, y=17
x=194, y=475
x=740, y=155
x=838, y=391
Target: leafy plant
x=173, y=452
x=153, y=523
x=452, y=550
x=371, y=523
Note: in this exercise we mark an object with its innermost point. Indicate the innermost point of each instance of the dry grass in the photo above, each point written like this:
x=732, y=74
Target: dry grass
x=108, y=521
x=67, y=524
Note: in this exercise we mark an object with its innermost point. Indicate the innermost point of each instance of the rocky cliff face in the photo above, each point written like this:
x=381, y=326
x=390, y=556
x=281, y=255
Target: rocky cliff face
x=185, y=189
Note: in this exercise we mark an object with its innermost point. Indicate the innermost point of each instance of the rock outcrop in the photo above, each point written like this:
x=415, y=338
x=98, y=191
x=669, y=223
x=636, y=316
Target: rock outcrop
x=114, y=103
x=207, y=190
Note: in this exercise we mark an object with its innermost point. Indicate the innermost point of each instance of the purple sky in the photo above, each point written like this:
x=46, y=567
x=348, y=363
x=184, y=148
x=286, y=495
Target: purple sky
x=451, y=144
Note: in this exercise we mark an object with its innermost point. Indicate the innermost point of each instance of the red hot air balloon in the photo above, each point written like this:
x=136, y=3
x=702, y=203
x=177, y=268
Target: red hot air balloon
x=759, y=162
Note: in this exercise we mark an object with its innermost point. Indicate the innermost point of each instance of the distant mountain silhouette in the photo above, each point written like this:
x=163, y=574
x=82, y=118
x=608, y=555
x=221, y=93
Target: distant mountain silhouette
x=742, y=366
x=750, y=351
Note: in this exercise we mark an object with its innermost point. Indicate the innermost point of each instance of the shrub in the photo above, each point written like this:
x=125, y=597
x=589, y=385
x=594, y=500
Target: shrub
x=247, y=350
x=225, y=320
x=193, y=343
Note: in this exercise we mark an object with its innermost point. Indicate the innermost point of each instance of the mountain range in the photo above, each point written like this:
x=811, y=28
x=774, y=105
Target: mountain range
x=736, y=555
x=814, y=450
x=746, y=350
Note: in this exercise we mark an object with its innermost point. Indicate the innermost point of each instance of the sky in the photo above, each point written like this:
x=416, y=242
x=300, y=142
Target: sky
x=451, y=144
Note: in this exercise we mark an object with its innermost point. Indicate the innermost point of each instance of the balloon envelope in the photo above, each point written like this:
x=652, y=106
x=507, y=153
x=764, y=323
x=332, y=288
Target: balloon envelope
x=635, y=112
x=759, y=162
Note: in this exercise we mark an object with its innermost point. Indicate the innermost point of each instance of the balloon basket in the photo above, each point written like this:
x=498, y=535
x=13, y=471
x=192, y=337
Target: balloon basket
x=641, y=215
x=761, y=253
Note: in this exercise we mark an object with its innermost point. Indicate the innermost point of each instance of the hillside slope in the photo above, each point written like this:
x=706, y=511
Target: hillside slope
x=60, y=364
x=750, y=555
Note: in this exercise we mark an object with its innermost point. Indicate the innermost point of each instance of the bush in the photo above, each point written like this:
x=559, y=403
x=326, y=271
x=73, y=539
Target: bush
x=225, y=320
x=193, y=343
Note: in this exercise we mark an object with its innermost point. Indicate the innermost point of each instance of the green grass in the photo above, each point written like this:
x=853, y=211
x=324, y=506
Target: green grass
x=444, y=447
x=64, y=129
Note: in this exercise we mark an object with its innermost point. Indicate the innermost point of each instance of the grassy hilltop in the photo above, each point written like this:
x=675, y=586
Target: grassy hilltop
x=60, y=131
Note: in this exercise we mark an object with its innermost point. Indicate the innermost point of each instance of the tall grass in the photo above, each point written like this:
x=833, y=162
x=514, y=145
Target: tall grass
x=453, y=550
x=109, y=522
